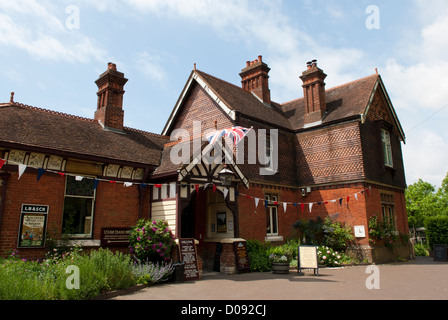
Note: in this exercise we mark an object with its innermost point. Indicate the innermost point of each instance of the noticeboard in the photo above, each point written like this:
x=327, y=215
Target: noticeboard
x=307, y=258
x=440, y=252
x=242, y=257
x=187, y=251
x=33, y=226
x=115, y=237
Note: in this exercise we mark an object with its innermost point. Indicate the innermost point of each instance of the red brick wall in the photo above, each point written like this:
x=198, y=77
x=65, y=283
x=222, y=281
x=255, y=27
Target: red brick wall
x=351, y=212
x=115, y=206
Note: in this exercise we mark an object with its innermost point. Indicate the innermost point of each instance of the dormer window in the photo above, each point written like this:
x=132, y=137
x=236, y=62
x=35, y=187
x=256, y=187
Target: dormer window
x=387, y=148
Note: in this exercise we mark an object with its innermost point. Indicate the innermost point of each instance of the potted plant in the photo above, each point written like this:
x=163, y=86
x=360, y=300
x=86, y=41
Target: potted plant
x=280, y=260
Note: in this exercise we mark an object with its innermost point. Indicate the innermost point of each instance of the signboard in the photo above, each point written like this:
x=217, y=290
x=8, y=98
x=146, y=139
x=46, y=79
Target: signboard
x=440, y=252
x=115, y=237
x=33, y=226
x=307, y=258
x=187, y=250
x=360, y=231
x=242, y=257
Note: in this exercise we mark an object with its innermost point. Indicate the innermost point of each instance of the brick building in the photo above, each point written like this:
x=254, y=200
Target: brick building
x=335, y=152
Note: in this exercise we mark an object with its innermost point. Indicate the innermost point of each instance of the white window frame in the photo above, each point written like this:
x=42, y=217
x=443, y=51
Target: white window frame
x=387, y=148
x=82, y=235
x=271, y=208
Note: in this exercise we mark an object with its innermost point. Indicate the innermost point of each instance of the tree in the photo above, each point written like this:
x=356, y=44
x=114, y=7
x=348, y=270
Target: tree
x=442, y=194
x=422, y=201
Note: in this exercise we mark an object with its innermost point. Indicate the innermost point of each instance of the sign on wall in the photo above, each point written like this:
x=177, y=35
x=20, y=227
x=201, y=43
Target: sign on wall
x=360, y=231
x=115, y=237
x=33, y=226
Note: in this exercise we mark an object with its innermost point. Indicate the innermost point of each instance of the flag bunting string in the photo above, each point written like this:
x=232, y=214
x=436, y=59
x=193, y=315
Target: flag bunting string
x=22, y=168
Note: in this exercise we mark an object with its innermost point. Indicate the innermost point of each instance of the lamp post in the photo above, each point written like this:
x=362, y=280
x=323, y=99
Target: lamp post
x=226, y=177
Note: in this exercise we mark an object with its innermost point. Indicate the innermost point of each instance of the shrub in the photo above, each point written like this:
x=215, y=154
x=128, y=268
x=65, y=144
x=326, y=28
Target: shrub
x=437, y=230
x=329, y=257
x=258, y=256
x=151, y=241
x=152, y=273
x=421, y=250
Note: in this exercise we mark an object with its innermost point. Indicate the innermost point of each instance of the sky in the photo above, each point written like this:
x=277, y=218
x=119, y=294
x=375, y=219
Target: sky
x=51, y=53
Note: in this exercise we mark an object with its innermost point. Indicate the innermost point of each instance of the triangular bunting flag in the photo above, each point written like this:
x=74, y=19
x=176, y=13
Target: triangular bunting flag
x=62, y=174
x=127, y=184
x=302, y=206
x=196, y=186
x=311, y=206
x=143, y=185
x=214, y=188
x=356, y=196
x=340, y=201
x=348, y=199
x=225, y=191
x=2, y=162
x=368, y=191
x=22, y=169
x=40, y=173
x=79, y=178
x=113, y=182
x=95, y=183
x=266, y=203
x=284, y=207
x=158, y=186
x=257, y=200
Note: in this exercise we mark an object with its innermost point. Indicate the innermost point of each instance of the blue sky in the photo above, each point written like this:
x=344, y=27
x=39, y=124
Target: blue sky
x=51, y=52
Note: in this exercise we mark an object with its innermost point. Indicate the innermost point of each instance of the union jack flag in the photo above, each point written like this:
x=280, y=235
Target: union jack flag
x=235, y=133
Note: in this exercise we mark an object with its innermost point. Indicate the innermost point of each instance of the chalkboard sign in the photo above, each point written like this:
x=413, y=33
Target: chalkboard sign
x=187, y=250
x=307, y=258
x=242, y=257
x=440, y=252
x=217, y=261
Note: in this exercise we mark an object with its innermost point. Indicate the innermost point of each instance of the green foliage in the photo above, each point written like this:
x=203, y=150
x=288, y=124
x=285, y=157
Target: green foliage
x=421, y=250
x=258, y=255
x=324, y=232
x=99, y=271
x=437, y=230
x=422, y=201
x=152, y=273
x=329, y=257
x=151, y=240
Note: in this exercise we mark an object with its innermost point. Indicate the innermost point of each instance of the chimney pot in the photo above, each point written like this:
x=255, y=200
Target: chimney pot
x=260, y=58
x=112, y=66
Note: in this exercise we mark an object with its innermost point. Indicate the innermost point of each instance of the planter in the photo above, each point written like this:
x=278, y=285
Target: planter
x=280, y=268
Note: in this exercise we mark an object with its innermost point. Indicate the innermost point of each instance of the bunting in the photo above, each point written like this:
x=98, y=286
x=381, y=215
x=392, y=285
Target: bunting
x=22, y=168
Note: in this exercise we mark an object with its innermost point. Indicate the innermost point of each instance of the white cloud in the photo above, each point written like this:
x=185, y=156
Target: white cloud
x=151, y=67
x=44, y=35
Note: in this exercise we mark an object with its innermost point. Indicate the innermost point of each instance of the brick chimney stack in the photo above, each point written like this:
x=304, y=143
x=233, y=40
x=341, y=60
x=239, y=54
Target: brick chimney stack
x=255, y=79
x=314, y=93
x=110, y=93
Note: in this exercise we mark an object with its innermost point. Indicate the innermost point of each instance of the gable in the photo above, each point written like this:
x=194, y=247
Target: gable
x=199, y=102
x=380, y=108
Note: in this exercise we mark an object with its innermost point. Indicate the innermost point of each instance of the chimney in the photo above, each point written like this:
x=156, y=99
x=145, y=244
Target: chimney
x=255, y=79
x=110, y=93
x=314, y=93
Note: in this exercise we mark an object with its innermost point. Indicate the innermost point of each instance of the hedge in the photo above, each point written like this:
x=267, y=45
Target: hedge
x=437, y=230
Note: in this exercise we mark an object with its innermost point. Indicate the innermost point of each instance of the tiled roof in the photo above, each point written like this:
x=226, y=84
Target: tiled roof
x=39, y=128
x=245, y=102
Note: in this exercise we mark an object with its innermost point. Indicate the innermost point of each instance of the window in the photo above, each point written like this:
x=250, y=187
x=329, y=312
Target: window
x=387, y=206
x=78, y=207
x=387, y=148
x=271, y=216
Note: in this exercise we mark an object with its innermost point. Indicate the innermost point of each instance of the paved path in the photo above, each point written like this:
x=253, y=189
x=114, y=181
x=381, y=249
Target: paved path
x=419, y=279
